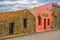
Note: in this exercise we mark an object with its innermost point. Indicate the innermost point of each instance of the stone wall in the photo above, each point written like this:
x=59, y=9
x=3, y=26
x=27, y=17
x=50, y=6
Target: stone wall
x=18, y=25
x=56, y=12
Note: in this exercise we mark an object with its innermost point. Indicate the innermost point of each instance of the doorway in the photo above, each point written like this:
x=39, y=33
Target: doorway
x=44, y=23
x=11, y=26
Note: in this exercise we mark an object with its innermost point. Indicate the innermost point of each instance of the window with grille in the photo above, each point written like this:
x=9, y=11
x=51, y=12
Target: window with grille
x=39, y=19
x=48, y=21
x=25, y=22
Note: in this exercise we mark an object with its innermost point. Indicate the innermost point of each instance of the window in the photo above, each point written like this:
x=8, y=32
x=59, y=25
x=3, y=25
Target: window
x=25, y=23
x=39, y=20
x=48, y=21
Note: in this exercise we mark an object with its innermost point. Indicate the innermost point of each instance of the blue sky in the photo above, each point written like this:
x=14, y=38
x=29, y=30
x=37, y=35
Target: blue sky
x=13, y=5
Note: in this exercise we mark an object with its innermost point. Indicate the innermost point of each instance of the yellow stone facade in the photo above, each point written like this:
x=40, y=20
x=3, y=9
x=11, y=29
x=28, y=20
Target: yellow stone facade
x=18, y=27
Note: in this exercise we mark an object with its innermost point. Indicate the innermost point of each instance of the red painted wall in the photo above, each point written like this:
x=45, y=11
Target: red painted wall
x=40, y=11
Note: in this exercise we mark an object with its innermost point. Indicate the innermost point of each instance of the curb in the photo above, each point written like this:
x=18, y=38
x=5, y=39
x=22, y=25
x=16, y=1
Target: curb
x=18, y=35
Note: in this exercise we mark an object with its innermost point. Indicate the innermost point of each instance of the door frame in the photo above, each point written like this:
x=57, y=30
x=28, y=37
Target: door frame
x=11, y=28
x=45, y=24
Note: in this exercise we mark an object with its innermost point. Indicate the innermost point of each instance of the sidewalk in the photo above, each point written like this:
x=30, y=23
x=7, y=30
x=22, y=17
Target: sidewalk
x=17, y=35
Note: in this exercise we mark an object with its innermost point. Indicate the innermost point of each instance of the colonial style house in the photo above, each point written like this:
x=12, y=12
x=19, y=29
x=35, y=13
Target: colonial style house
x=55, y=8
x=16, y=22
x=43, y=19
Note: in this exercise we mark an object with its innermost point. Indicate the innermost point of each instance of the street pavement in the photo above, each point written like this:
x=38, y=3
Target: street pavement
x=51, y=35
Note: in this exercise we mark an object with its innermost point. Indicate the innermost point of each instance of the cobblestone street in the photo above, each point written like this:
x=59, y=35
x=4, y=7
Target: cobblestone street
x=52, y=35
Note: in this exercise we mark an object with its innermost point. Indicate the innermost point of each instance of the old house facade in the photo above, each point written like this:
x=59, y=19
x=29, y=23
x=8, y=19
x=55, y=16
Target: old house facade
x=43, y=19
x=56, y=15
x=19, y=22
x=55, y=8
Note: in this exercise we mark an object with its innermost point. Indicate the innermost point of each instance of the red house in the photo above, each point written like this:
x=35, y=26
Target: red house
x=55, y=8
x=43, y=19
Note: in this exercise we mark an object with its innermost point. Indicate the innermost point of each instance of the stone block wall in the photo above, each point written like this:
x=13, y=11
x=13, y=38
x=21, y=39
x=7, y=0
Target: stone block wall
x=18, y=25
x=56, y=18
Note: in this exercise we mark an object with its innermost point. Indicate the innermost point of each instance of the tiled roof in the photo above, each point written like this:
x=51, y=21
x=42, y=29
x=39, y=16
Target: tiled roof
x=10, y=15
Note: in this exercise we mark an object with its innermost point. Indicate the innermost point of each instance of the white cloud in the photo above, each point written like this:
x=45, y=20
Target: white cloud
x=7, y=2
x=13, y=2
x=34, y=2
x=59, y=3
x=16, y=5
x=20, y=4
